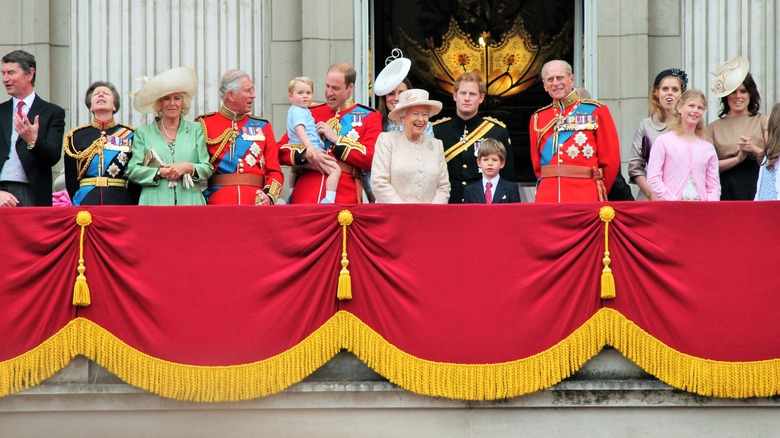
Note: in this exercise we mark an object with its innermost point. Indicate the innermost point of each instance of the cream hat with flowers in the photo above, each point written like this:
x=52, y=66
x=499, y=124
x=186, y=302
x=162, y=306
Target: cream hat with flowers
x=730, y=75
x=176, y=80
x=414, y=97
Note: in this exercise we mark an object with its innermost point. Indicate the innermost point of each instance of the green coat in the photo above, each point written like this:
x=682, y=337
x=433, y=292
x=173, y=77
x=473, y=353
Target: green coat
x=190, y=146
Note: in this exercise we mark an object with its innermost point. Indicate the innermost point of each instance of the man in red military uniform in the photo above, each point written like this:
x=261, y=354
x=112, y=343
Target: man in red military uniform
x=350, y=131
x=574, y=143
x=241, y=147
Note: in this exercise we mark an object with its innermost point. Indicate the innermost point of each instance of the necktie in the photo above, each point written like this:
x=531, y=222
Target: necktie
x=19, y=107
x=488, y=193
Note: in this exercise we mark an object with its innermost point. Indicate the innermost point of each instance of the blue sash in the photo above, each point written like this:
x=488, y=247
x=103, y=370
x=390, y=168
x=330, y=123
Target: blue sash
x=349, y=121
x=108, y=156
x=550, y=148
x=251, y=132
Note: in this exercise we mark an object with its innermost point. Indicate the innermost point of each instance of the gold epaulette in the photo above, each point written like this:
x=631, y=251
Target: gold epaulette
x=495, y=121
x=366, y=107
x=69, y=135
x=592, y=102
x=205, y=115
x=441, y=120
x=543, y=108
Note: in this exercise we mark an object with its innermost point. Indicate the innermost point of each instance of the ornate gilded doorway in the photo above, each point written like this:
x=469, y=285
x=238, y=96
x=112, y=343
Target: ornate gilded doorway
x=505, y=41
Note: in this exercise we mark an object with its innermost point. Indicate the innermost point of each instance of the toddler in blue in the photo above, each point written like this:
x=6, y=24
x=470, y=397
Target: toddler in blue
x=302, y=129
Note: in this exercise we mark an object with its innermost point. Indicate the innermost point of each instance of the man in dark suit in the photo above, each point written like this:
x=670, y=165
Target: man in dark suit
x=31, y=132
x=491, y=188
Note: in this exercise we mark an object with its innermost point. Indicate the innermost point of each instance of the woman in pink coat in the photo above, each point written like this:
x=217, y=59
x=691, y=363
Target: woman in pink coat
x=683, y=166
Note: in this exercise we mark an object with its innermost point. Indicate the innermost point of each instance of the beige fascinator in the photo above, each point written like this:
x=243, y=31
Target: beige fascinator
x=729, y=76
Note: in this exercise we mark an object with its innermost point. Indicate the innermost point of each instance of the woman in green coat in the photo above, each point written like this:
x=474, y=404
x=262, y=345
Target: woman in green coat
x=169, y=155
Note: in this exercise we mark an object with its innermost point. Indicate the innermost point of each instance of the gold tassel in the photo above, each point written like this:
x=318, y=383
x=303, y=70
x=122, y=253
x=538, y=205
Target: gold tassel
x=81, y=289
x=606, y=214
x=345, y=281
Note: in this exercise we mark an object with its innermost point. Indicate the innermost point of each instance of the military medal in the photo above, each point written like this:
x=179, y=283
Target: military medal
x=357, y=120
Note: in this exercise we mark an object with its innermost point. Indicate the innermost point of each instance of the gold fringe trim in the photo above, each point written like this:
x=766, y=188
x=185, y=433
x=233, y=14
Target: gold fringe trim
x=209, y=383
x=606, y=214
x=81, y=296
x=469, y=381
x=40, y=363
x=344, y=330
x=344, y=291
x=693, y=374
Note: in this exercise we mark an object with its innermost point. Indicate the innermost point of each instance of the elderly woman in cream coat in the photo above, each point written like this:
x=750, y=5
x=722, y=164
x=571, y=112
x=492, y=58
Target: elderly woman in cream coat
x=408, y=165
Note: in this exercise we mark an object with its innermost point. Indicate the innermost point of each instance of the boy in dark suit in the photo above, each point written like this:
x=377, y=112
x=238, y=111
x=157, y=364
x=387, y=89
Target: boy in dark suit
x=491, y=158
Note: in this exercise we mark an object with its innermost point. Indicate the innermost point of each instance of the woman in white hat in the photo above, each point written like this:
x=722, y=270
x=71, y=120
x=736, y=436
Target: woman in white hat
x=169, y=154
x=738, y=135
x=408, y=165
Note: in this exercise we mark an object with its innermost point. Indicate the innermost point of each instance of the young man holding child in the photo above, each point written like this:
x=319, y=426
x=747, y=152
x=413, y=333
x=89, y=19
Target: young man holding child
x=491, y=189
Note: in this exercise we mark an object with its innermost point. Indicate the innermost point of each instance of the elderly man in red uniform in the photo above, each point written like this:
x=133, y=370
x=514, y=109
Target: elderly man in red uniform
x=350, y=131
x=242, y=148
x=574, y=143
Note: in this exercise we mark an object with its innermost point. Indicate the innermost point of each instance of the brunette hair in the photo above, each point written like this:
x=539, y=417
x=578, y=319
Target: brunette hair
x=350, y=75
x=382, y=104
x=676, y=123
x=755, y=98
x=772, y=149
x=91, y=90
x=492, y=146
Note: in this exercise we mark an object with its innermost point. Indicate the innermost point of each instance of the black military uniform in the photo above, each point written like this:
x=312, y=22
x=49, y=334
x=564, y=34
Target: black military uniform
x=96, y=157
x=462, y=139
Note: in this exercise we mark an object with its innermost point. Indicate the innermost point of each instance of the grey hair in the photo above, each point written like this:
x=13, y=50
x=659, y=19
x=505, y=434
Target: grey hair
x=566, y=64
x=185, y=108
x=231, y=81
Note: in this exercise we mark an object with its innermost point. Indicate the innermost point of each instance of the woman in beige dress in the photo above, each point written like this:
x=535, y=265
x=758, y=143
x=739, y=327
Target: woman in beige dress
x=408, y=165
x=738, y=135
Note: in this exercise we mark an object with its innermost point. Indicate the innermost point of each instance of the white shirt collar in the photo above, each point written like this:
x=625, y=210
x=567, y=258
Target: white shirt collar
x=28, y=101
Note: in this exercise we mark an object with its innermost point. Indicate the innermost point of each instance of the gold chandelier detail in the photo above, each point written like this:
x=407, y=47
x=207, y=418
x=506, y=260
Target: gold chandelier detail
x=508, y=66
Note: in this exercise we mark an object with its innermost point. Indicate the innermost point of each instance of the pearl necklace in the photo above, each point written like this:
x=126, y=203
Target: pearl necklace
x=165, y=131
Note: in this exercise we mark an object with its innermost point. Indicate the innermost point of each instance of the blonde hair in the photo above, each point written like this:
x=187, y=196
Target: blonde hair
x=185, y=106
x=302, y=79
x=492, y=146
x=676, y=123
x=772, y=150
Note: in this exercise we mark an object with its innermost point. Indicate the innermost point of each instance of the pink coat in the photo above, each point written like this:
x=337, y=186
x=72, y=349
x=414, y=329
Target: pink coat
x=672, y=159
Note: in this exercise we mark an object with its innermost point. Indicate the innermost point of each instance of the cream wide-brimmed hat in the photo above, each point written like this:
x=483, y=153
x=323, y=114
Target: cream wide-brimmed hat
x=176, y=80
x=729, y=76
x=414, y=97
x=393, y=74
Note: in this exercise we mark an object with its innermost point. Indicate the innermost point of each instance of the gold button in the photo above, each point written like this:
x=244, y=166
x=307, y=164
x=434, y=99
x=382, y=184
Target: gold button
x=465, y=166
x=464, y=183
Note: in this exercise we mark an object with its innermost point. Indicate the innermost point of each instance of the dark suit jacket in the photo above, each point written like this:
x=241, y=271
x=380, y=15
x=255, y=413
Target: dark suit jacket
x=37, y=163
x=504, y=192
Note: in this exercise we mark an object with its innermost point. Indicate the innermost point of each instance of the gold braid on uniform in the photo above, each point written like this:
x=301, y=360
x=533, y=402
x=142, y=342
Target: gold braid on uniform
x=540, y=132
x=83, y=158
x=229, y=136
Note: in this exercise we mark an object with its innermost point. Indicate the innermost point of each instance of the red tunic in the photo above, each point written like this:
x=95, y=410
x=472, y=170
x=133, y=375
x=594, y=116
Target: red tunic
x=255, y=153
x=358, y=127
x=592, y=142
